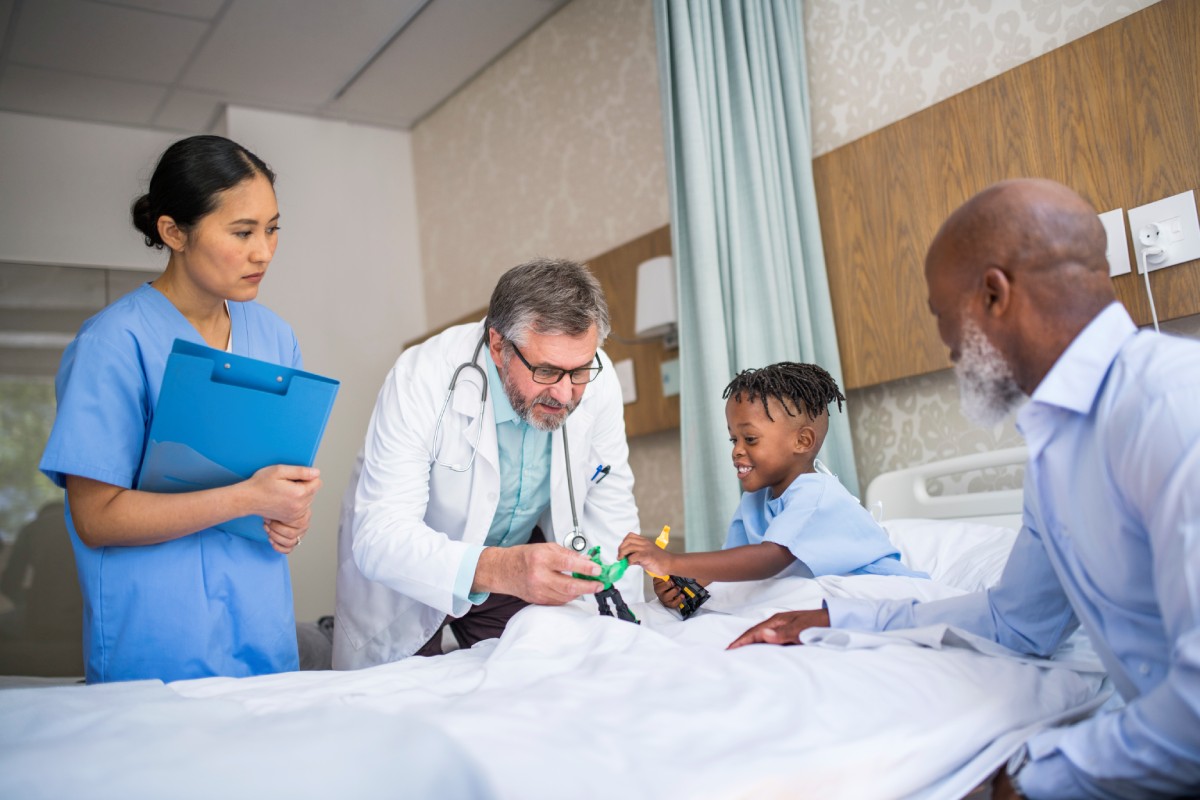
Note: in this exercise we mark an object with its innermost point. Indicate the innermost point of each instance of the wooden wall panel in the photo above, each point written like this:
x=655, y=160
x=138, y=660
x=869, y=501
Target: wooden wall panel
x=1115, y=115
x=617, y=272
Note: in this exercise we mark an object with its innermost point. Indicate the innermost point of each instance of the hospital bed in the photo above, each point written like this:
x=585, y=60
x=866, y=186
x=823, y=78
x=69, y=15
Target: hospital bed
x=571, y=704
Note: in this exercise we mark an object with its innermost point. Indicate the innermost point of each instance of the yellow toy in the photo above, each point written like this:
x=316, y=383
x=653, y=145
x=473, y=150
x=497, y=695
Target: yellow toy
x=692, y=593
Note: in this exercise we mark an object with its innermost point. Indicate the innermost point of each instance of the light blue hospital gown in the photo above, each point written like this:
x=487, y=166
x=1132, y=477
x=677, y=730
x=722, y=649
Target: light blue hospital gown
x=823, y=526
x=206, y=604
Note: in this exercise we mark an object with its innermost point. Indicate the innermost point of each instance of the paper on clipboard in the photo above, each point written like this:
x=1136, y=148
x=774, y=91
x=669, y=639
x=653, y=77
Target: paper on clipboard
x=221, y=417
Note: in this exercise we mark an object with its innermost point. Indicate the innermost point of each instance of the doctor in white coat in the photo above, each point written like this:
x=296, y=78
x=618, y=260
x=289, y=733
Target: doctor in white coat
x=460, y=506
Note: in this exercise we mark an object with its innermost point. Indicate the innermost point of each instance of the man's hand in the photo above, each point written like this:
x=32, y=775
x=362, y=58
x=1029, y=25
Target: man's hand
x=535, y=573
x=644, y=553
x=1002, y=788
x=783, y=628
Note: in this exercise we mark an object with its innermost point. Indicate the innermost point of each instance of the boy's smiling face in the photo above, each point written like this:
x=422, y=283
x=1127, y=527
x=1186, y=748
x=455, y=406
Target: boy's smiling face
x=769, y=451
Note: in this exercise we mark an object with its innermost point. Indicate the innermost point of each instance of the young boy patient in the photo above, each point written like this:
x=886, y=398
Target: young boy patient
x=791, y=519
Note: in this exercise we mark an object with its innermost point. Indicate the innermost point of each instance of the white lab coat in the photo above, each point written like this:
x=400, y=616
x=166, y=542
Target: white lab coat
x=404, y=533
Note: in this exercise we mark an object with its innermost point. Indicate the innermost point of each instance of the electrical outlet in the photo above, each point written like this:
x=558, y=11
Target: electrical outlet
x=1166, y=232
x=670, y=377
x=1118, y=243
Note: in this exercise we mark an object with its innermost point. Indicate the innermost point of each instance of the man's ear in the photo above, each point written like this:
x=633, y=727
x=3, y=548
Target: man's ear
x=997, y=291
x=172, y=235
x=496, y=347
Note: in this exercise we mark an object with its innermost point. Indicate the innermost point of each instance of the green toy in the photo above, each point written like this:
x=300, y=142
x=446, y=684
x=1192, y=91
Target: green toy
x=609, y=575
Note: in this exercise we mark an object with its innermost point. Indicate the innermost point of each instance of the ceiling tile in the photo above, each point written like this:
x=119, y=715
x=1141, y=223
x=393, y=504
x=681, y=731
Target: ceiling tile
x=252, y=56
x=6, y=10
x=444, y=48
x=109, y=41
x=188, y=111
x=60, y=94
x=196, y=9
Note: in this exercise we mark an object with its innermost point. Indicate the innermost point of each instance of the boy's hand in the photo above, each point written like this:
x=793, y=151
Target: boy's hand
x=668, y=593
x=645, y=553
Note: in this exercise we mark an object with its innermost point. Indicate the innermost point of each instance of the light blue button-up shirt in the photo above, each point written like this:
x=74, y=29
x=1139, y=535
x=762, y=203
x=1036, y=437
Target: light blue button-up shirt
x=1111, y=538
x=524, y=486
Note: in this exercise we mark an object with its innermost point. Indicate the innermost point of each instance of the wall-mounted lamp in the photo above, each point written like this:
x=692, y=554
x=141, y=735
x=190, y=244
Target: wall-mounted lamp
x=656, y=309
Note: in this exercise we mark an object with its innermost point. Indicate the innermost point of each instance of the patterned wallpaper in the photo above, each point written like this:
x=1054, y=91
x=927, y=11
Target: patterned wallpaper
x=872, y=62
x=658, y=483
x=556, y=149
x=916, y=420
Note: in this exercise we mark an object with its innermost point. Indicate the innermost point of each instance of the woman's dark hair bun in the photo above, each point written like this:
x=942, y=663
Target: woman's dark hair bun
x=189, y=176
x=146, y=222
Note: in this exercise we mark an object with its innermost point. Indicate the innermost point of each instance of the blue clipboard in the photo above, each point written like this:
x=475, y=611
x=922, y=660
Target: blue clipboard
x=220, y=418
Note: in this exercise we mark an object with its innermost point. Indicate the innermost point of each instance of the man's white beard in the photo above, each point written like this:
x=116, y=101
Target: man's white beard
x=524, y=406
x=987, y=389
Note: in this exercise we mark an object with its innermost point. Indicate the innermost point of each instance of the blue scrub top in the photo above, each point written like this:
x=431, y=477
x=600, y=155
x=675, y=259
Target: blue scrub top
x=203, y=605
x=822, y=525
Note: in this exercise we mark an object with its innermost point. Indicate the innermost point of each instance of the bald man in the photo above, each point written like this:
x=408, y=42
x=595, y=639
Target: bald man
x=1019, y=284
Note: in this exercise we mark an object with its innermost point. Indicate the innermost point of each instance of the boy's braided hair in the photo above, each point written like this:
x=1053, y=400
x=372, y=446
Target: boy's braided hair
x=808, y=387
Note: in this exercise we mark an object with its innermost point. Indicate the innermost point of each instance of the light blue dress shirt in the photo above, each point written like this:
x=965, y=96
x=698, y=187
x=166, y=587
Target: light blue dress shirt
x=1111, y=538
x=524, y=486
x=821, y=524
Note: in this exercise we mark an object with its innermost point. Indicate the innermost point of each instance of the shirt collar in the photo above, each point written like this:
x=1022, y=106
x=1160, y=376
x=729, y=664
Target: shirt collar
x=504, y=410
x=775, y=502
x=1075, y=379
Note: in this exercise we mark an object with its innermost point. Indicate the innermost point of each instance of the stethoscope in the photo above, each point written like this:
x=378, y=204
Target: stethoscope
x=575, y=539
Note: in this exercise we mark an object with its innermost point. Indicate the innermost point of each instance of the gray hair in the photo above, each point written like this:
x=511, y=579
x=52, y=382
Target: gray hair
x=548, y=295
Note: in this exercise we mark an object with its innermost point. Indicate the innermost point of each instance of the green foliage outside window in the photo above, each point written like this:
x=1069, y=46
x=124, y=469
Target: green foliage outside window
x=26, y=416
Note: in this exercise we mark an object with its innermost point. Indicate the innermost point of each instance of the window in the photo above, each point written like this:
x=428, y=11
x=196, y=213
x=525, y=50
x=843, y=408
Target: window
x=41, y=309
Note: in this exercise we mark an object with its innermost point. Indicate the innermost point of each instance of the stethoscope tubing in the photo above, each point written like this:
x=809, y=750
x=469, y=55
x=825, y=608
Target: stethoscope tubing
x=576, y=541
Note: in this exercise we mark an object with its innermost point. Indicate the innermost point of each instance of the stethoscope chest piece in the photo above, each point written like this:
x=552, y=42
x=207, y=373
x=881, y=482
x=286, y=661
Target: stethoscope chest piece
x=577, y=542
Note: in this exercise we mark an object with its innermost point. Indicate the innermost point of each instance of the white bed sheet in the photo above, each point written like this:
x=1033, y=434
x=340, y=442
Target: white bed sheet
x=570, y=704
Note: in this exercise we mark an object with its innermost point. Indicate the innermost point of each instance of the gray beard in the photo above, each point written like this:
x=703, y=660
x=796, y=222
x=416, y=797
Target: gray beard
x=987, y=389
x=524, y=406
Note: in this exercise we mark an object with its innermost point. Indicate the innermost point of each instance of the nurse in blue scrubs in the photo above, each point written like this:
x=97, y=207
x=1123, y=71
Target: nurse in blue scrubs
x=166, y=595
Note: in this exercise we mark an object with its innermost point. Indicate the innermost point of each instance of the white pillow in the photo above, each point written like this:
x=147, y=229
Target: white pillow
x=966, y=555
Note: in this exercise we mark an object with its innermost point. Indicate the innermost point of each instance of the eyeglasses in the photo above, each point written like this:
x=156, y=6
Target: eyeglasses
x=552, y=375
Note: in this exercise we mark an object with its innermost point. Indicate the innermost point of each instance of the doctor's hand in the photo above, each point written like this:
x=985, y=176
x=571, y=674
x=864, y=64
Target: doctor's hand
x=783, y=628
x=536, y=573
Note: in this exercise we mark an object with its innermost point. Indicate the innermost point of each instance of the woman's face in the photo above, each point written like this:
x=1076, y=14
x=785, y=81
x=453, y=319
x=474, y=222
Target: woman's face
x=227, y=252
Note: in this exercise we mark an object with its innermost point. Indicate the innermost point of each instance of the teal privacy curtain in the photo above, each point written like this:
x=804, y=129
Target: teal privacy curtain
x=744, y=228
